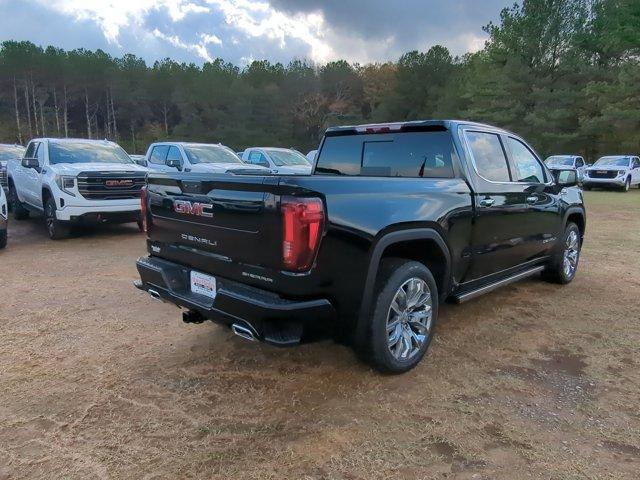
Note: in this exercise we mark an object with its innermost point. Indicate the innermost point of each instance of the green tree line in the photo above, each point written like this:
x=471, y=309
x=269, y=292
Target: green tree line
x=565, y=74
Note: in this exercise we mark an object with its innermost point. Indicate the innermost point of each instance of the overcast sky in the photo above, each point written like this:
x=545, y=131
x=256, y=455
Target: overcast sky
x=243, y=30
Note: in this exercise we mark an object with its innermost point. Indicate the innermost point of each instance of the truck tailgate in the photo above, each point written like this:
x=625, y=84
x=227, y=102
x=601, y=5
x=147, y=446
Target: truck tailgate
x=225, y=215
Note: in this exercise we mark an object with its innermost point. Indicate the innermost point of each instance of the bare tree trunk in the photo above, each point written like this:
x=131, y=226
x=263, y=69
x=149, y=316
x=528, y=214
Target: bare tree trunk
x=15, y=103
x=65, y=113
x=107, y=121
x=94, y=122
x=86, y=112
x=35, y=110
x=164, y=113
x=133, y=138
x=55, y=105
x=42, y=119
x=26, y=101
x=113, y=117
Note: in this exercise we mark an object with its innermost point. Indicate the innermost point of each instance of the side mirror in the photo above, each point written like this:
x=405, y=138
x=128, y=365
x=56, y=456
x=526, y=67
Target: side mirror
x=566, y=178
x=173, y=163
x=31, y=163
x=142, y=162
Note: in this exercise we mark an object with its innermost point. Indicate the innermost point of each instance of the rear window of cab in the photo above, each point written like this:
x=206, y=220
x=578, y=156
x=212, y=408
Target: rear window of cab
x=427, y=154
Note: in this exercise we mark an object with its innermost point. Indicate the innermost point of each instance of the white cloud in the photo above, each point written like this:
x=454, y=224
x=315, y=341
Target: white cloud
x=112, y=15
x=199, y=48
x=258, y=19
x=241, y=30
x=210, y=38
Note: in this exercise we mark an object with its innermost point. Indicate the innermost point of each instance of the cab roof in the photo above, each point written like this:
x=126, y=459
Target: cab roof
x=414, y=124
x=73, y=140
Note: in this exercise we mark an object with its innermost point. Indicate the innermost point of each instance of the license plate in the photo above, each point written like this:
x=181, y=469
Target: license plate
x=203, y=284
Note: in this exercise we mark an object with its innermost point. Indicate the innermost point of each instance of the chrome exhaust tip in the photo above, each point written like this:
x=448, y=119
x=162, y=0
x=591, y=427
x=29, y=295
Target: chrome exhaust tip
x=154, y=294
x=244, y=332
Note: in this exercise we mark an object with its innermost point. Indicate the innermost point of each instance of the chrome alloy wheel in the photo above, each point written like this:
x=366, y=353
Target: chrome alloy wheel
x=571, y=254
x=409, y=319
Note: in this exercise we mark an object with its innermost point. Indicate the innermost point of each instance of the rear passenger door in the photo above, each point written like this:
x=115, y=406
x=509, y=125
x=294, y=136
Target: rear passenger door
x=498, y=238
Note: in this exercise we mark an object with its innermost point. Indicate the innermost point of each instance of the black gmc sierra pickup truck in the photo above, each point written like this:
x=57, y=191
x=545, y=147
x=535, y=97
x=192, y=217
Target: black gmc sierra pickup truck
x=394, y=219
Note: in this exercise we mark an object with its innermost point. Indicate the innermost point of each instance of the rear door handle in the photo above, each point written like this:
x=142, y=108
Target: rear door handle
x=532, y=199
x=487, y=202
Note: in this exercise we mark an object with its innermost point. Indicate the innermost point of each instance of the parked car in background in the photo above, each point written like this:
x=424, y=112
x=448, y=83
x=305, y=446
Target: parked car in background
x=4, y=218
x=75, y=181
x=283, y=161
x=195, y=157
x=138, y=159
x=620, y=171
x=311, y=156
x=567, y=162
x=8, y=152
x=395, y=219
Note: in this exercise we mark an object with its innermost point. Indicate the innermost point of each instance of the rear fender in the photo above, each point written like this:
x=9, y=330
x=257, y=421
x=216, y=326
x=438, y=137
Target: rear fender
x=377, y=252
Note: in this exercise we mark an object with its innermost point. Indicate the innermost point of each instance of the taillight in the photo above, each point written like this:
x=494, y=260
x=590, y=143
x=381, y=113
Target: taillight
x=303, y=222
x=143, y=208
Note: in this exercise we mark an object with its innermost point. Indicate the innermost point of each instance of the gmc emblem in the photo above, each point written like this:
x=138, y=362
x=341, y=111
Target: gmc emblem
x=193, y=208
x=118, y=183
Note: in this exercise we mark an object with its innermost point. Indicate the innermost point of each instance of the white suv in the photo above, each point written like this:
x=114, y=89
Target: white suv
x=75, y=180
x=620, y=171
x=567, y=162
x=196, y=157
x=4, y=218
x=283, y=161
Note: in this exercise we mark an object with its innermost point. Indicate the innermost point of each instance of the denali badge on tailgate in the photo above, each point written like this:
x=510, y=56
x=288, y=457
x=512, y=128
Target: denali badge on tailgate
x=193, y=208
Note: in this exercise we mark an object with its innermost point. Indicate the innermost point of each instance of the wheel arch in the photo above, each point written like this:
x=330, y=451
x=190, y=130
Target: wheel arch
x=425, y=245
x=577, y=216
x=46, y=193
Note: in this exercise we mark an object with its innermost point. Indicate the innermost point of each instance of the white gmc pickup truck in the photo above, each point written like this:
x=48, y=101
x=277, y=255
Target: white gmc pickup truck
x=75, y=181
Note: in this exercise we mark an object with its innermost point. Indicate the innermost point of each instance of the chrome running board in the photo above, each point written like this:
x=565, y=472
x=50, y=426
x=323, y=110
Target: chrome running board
x=463, y=297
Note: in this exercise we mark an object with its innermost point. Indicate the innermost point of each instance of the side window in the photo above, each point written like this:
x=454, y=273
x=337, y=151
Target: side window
x=31, y=150
x=579, y=162
x=528, y=168
x=174, y=154
x=40, y=154
x=636, y=163
x=257, y=158
x=488, y=155
x=159, y=154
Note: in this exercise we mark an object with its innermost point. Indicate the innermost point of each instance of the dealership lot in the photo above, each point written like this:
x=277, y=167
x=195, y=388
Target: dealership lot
x=97, y=380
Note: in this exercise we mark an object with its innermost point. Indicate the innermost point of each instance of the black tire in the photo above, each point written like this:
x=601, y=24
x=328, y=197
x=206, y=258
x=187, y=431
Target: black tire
x=3, y=239
x=19, y=212
x=140, y=224
x=56, y=229
x=627, y=185
x=394, y=274
x=556, y=271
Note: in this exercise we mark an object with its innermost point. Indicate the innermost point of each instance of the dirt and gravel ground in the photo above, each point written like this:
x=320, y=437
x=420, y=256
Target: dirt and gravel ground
x=97, y=380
